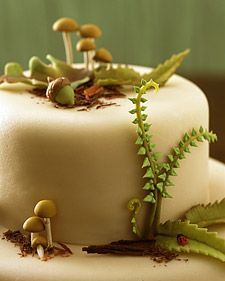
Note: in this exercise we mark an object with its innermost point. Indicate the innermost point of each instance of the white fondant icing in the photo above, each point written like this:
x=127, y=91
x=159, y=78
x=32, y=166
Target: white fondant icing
x=83, y=267
x=87, y=161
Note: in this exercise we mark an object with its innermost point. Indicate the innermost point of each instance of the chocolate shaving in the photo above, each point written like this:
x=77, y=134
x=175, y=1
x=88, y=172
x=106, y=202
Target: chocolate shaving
x=133, y=248
x=88, y=96
x=24, y=243
x=20, y=240
x=66, y=248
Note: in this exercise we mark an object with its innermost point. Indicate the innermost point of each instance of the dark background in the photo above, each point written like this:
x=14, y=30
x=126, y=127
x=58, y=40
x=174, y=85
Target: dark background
x=142, y=32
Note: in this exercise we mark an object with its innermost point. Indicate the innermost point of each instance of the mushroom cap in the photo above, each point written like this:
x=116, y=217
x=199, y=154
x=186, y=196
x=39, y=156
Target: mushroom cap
x=90, y=31
x=103, y=55
x=65, y=25
x=33, y=224
x=45, y=209
x=39, y=240
x=85, y=45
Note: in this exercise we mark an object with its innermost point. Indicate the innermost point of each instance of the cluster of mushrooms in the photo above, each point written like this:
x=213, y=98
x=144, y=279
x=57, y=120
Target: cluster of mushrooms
x=36, y=225
x=88, y=33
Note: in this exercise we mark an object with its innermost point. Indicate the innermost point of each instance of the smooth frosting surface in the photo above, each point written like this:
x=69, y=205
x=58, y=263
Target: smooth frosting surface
x=83, y=267
x=87, y=161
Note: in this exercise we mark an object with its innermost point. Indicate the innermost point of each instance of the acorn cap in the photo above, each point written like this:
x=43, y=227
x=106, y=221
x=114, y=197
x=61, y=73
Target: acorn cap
x=85, y=45
x=39, y=240
x=103, y=55
x=55, y=86
x=45, y=209
x=65, y=25
x=34, y=224
x=90, y=30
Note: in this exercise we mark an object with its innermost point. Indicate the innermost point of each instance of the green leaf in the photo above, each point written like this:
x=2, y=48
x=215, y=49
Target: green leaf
x=164, y=71
x=149, y=198
x=207, y=215
x=133, y=111
x=139, y=140
x=143, y=100
x=135, y=121
x=211, y=242
x=160, y=186
x=193, y=143
x=193, y=133
x=148, y=186
x=142, y=151
x=147, y=127
x=176, y=150
x=144, y=116
x=133, y=100
x=119, y=75
x=163, y=176
x=149, y=173
x=187, y=150
x=193, y=246
x=173, y=172
x=136, y=89
x=146, y=163
x=170, y=157
x=186, y=137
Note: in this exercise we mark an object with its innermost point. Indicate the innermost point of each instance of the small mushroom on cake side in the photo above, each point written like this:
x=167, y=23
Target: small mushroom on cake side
x=103, y=56
x=91, y=31
x=39, y=243
x=46, y=209
x=60, y=91
x=33, y=225
x=66, y=26
x=86, y=45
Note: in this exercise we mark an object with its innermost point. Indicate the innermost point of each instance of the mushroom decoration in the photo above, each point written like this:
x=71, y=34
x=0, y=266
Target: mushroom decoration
x=66, y=26
x=46, y=209
x=91, y=31
x=33, y=225
x=39, y=243
x=86, y=45
x=103, y=55
x=60, y=91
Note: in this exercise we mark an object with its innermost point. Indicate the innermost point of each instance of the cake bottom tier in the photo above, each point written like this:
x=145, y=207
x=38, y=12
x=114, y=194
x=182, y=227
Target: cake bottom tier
x=83, y=267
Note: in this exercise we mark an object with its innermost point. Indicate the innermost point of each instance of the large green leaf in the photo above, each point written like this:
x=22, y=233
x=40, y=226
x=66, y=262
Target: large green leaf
x=193, y=246
x=119, y=75
x=193, y=232
x=164, y=71
x=207, y=215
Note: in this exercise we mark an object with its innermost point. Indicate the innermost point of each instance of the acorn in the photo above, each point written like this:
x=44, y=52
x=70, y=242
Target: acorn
x=60, y=91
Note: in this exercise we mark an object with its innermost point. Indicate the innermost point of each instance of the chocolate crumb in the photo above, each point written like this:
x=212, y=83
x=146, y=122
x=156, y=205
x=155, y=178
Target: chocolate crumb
x=134, y=248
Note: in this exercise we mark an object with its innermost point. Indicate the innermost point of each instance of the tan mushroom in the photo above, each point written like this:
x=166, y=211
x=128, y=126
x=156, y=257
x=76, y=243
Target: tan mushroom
x=93, y=32
x=33, y=225
x=86, y=45
x=39, y=243
x=102, y=55
x=90, y=31
x=66, y=26
x=46, y=209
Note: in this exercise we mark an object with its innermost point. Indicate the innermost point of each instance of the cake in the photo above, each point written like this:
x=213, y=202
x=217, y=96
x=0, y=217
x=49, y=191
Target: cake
x=86, y=162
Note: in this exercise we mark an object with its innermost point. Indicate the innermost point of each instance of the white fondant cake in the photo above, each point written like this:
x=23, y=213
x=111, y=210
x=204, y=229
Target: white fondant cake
x=87, y=163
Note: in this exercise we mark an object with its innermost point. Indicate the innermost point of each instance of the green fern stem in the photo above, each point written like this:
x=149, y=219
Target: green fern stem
x=177, y=154
x=142, y=90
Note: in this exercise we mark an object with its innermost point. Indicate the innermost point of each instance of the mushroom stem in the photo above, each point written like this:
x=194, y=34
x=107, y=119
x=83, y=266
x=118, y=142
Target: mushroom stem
x=68, y=47
x=41, y=252
x=32, y=236
x=86, y=60
x=48, y=231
